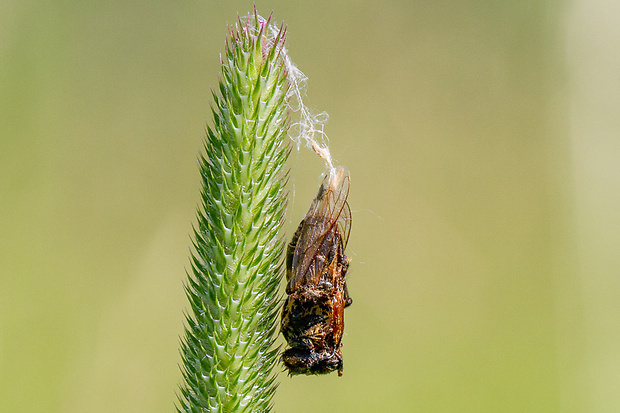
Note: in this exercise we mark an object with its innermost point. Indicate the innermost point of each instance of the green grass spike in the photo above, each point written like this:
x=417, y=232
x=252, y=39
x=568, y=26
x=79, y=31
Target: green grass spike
x=228, y=348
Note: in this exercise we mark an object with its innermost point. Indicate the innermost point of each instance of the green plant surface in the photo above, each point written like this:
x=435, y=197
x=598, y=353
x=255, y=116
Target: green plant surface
x=228, y=350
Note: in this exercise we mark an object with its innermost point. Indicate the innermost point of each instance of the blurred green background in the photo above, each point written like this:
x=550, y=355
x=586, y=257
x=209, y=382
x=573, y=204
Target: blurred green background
x=483, y=140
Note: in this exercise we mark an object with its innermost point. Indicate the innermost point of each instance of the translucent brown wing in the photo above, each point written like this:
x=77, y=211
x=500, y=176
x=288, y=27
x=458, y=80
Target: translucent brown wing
x=328, y=221
x=344, y=224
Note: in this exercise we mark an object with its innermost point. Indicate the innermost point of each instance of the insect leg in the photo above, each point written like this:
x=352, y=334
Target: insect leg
x=347, y=298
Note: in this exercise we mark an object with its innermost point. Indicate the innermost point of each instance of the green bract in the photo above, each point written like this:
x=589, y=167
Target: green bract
x=228, y=352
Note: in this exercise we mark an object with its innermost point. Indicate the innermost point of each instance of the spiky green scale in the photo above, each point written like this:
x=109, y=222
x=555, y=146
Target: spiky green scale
x=227, y=351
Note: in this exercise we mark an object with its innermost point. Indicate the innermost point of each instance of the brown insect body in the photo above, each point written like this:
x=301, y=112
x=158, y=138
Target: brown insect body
x=313, y=313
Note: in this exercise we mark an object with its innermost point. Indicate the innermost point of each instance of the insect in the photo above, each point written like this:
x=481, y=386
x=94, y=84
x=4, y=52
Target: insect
x=313, y=313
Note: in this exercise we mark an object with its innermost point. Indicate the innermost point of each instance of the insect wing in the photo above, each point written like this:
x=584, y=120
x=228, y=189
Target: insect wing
x=329, y=212
x=344, y=224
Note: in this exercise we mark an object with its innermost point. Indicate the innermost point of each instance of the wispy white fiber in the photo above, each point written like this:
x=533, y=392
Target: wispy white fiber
x=309, y=129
